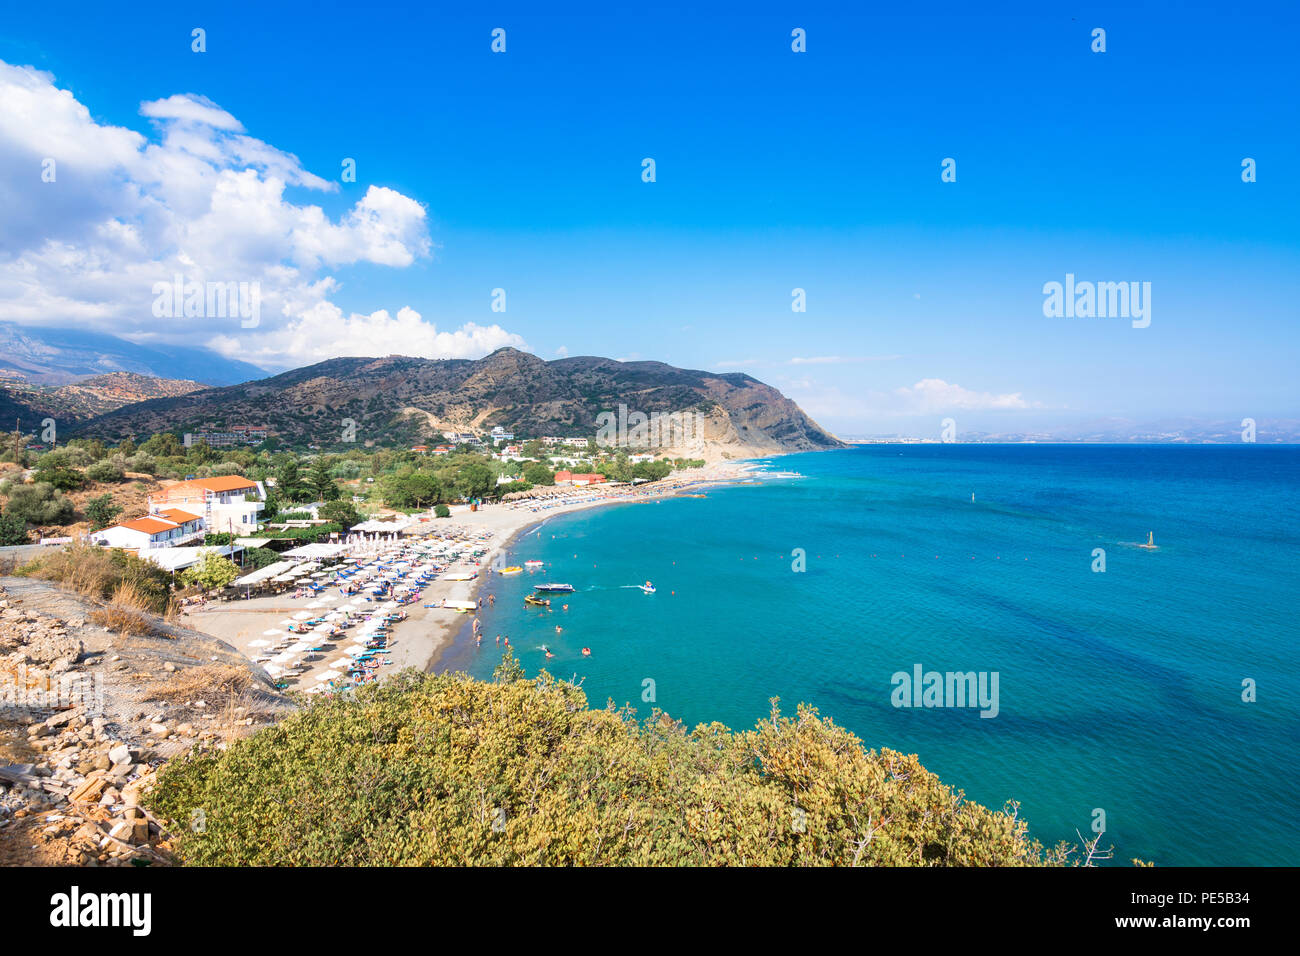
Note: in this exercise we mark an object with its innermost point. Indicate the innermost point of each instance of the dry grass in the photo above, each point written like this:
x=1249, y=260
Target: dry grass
x=209, y=682
x=103, y=573
x=127, y=612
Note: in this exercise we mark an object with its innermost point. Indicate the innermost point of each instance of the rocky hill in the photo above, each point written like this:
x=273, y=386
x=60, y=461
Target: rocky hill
x=399, y=399
x=84, y=399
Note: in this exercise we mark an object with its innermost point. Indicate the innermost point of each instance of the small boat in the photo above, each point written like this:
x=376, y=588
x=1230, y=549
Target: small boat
x=536, y=601
x=648, y=588
x=554, y=588
x=513, y=569
x=1151, y=542
x=586, y=652
x=534, y=564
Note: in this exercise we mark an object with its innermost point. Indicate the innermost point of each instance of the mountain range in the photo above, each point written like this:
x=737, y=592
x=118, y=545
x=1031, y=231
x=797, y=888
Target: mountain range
x=58, y=356
x=403, y=399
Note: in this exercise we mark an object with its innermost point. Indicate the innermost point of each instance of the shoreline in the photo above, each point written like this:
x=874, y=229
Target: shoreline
x=422, y=640
x=729, y=473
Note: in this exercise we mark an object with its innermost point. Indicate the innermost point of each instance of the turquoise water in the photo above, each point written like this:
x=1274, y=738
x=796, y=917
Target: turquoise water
x=1119, y=690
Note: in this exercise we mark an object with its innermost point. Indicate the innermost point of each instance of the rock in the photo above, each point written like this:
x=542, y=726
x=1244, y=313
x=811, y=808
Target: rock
x=169, y=667
x=120, y=754
x=160, y=729
x=103, y=762
x=185, y=730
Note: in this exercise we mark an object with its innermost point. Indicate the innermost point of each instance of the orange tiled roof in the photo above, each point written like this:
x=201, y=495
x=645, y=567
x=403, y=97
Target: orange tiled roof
x=224, y=483
x=147, y=525
x=180, y=517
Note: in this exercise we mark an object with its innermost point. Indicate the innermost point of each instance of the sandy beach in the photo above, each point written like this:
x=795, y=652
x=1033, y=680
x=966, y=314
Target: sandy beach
x=418, y=640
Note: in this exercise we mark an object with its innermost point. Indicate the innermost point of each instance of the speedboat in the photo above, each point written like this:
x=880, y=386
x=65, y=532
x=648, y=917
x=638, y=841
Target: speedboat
x=536, y=601
x=515, y=569
x=554, y=588
x=648, y=588
x=534, y=564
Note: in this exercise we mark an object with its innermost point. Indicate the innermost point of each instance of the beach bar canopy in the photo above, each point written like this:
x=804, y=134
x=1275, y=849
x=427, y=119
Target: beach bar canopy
x=264, y=574
x=317, y=551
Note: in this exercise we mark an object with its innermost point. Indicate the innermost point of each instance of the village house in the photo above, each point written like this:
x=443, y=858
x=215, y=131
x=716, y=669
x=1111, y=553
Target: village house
x=229, y=503
x=578, y=478
x=168, y=528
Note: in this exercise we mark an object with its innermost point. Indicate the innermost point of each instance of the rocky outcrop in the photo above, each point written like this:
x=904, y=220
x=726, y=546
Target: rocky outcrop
x=87, y=716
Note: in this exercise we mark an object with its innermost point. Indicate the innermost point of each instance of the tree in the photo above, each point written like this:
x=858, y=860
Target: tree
x=100, y=511
x=200, y=453
x=55, y=470
x=321, y=482
x=212, y=573
x=288, y=482
x=342, y=513
x=163, y=445
x=441, y=511
x=474, y=480
x=538, y=474
x=13, y=529
x=40, y=504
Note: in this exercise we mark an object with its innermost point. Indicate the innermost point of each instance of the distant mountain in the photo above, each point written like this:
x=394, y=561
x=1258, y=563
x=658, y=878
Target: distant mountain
x=87, y=398
x=401, y=399
x=47, y=356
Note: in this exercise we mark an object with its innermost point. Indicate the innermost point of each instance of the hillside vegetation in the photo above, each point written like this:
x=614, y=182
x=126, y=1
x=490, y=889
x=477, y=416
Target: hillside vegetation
x=446, y=770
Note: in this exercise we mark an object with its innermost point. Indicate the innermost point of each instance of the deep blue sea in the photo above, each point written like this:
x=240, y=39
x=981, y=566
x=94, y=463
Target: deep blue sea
x=1119, y=690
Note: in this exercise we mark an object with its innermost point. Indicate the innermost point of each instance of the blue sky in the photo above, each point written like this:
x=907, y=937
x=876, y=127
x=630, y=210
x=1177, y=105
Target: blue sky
x=775, y=170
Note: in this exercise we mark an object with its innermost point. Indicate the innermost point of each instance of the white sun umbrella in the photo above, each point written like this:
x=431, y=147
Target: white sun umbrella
x=354, y=651
x=259, y=643
x=271, y=632
x=327, y=598
x=301, y=616
x=314, y=604
x=329, y=675
x=283, y=658
x=273, y=670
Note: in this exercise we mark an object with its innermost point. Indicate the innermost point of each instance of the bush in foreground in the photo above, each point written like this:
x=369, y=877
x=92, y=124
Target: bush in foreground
x=449, y=770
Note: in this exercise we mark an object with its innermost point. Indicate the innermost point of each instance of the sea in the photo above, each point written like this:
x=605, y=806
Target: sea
x=1151, y=694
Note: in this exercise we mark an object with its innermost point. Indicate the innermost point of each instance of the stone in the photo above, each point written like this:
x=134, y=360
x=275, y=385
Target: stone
x=120, y=754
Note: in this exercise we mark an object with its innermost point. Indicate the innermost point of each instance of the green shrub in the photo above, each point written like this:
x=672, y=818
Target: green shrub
x=104, y=471
x=445, y=770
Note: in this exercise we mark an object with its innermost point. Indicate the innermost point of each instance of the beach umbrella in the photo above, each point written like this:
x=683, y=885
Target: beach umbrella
x=259, y=643
x=301, y=616
x=272, y=632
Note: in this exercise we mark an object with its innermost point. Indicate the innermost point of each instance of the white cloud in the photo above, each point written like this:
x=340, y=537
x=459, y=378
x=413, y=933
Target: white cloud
x=936, y=395
x=202, y=199
x=323, y=331
x=562, y=351
x=192, y=109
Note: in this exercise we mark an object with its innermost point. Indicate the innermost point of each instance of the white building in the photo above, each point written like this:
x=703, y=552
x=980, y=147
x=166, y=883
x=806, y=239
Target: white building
x=227, y=504
x=169, y=528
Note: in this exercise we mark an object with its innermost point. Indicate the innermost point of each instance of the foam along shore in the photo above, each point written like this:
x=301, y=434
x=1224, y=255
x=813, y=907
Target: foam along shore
x=397, y=617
